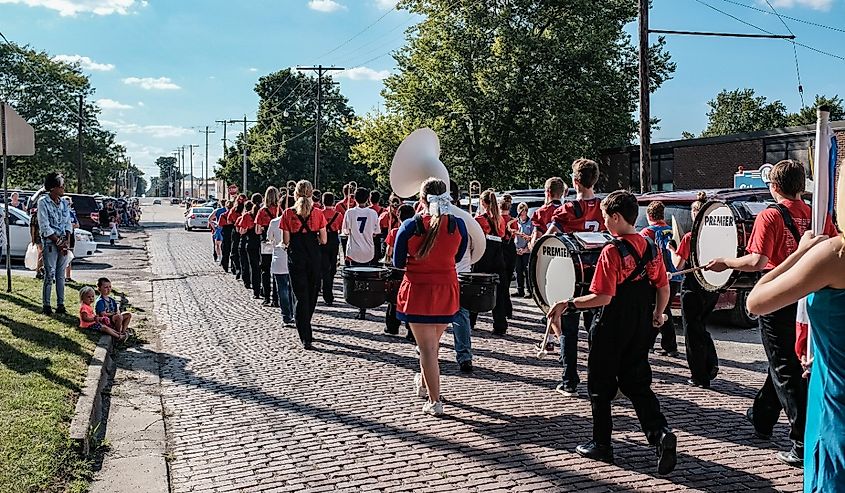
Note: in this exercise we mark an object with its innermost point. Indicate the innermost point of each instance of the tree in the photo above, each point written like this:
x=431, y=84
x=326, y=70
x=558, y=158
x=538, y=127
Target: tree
x=741, y=111
x=515, y=90
x=140, y=186
x=280, y=147
x=378, y=135
x=45, y=92
x=807, y=115
x=168, y=176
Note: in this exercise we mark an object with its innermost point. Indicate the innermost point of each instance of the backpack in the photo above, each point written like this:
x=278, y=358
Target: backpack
x=662, y=237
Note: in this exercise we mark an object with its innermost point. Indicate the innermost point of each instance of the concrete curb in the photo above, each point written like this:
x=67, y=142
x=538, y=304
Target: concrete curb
x=89, y=406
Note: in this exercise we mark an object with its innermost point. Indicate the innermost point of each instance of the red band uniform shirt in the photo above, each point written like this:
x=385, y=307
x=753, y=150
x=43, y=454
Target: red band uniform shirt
x=542, y=217
x=429, y=292
x=329, y=251
x=304, y=264
x=579, y=215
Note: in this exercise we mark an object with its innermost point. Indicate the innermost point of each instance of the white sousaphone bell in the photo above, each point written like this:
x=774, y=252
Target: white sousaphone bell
x=418, y=159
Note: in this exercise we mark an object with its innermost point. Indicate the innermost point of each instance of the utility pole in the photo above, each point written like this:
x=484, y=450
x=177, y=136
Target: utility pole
x=191, y=158
x=173, y=169
x=246, y=144
x=320, y=71
x=225, y=123
x=207, y=131
x=80, y=173
x=182, y=170
x=645, y=110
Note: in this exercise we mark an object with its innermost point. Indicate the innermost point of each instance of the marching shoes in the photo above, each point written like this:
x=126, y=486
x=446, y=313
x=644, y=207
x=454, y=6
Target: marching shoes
x=667, y=453
x=596, y=451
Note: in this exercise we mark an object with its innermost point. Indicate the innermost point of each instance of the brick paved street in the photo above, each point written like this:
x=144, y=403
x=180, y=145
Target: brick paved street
x=248, y=410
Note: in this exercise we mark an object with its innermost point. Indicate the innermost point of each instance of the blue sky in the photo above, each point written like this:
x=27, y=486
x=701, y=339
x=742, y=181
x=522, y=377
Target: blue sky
x=163, y=69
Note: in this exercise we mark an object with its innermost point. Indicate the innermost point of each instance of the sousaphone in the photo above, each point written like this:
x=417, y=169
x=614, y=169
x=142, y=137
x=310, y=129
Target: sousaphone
x=418, y=159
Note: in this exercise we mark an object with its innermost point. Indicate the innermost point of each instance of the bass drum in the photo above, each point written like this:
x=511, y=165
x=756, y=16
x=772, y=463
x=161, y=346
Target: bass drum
x=722, y=230
x=365, y=287
x=562, y=266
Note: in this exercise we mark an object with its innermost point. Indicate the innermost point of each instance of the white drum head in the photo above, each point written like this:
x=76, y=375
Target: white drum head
x=717, y=236
x=554, y=271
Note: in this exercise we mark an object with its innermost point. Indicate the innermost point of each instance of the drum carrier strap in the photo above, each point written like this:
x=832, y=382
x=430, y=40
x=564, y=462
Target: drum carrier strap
x=576, y=209
x=331, y=221
x=303, y=225
x=419, y=229
x=787, y=221
x=626, y=249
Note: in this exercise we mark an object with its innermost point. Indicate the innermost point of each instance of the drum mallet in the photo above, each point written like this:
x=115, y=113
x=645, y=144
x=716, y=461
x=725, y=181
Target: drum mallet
x=688, y=271
x=542, y=351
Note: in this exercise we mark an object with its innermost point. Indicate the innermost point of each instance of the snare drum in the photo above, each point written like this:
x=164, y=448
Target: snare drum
x=562, y=266
x=722, y=230
x=365, y=287
x=478, y=291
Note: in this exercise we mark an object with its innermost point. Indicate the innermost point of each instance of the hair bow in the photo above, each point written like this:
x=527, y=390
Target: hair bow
x=439, y=204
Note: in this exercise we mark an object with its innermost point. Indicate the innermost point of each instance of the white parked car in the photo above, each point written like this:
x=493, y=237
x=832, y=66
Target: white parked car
x=19, y=233
x=197, y=217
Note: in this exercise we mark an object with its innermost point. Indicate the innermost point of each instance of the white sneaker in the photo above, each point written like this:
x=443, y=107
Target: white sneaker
x=421, y=391
x=433, y=408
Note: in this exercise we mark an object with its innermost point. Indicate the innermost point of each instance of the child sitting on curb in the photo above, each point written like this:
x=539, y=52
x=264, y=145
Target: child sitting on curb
x=88, y=320
x=108, y=307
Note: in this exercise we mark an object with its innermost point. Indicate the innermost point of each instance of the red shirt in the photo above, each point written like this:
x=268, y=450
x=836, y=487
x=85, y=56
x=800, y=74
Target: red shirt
x=771, y=238
x=542, y=217
x=591, y=218
x=290, y=222
x=245, y=221
x=485, y=225
x=508, y=226
x=388, y=220
x=650, y=232
x=265, y=215
x=391, y=237
x=377, y=208
x=223, y=220
x=346, y=204
x=611, y=272
x=683, y=250
x=334, y=219
x=232, y=216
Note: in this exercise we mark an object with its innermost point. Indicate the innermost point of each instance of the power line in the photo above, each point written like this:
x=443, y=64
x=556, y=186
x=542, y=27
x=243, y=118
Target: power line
x=794, y=53
x=803, y=21
x=392, y=9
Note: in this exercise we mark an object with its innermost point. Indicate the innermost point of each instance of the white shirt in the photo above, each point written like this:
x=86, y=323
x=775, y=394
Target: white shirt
x=360, y=224
x=465, y=265
x=279, y=263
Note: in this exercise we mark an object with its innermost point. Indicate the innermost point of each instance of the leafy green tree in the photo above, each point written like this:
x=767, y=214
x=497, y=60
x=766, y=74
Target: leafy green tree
x=169, y=175
x=45, y=92
x=280, y=147
x=140, y=186
x=516, y=90
x=741, y=111
x=807, y=115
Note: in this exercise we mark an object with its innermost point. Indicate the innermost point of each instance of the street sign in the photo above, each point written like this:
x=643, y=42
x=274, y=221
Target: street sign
x=19, y=135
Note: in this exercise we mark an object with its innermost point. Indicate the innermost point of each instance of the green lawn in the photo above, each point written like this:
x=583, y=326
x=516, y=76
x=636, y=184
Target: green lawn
x=43, y=361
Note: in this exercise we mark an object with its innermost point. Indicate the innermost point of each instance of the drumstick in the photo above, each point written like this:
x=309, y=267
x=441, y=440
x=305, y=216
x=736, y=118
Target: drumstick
x=542, y=351
x=689, y=271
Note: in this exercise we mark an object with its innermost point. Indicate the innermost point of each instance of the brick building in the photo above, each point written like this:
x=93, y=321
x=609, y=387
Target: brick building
x=710, y=162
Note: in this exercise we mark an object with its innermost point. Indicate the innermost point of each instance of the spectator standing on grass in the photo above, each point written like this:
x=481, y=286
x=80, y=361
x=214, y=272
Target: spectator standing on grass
x=74, y=223
x=55, y=229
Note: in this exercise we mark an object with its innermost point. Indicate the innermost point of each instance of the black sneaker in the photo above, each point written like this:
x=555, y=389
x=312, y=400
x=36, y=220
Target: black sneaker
x=61, y=310
x=361, y=316
x=47, y=310
x=791, y=458
x=528, y=296
x=593, y=450
x=520, y=294
x=667, y=453
x=695, y=383
x=466, y=367
x=265, y=303
x=714, y=372
x=392, y=332
x=749, y=414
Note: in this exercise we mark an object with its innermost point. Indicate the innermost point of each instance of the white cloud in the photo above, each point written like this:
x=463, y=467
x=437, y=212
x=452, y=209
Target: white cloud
x=155, y=131
x=325, y=5
x=140, y=103
x=162, y=83
x=111, y=104
x=385, y=4
x=73, y=7
x=364, y=73
x=813, y=4
x=253, y=69
x=83, y=61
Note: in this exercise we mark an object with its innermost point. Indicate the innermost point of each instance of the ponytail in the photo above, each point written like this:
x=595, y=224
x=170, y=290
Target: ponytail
x=432, y=186
x=491, y=206
x=304, y=198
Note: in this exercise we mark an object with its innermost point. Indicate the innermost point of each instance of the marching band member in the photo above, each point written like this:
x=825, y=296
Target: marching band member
x=508, y=250
x=226, y=229
x=375, y=199
x=268, y=211
x=428, y=246
x=582, y=214
x=391, y=323
x=461, y=326
x=493, y=261
x=303, y=231
x=696, y=306
x=542, y=217
x=629, y=280
x=661, y=234
x=775, y=235
x=253, y=246
x=346, y=203
x=360, y=225
x=232, y=218
x=244, y=225
x=334, y=220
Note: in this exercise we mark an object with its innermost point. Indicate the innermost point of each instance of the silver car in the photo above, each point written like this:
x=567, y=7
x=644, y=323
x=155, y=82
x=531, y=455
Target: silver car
x=197, y=217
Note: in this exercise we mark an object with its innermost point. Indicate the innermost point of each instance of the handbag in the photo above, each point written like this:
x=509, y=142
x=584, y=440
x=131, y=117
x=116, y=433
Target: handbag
x=30, y=260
